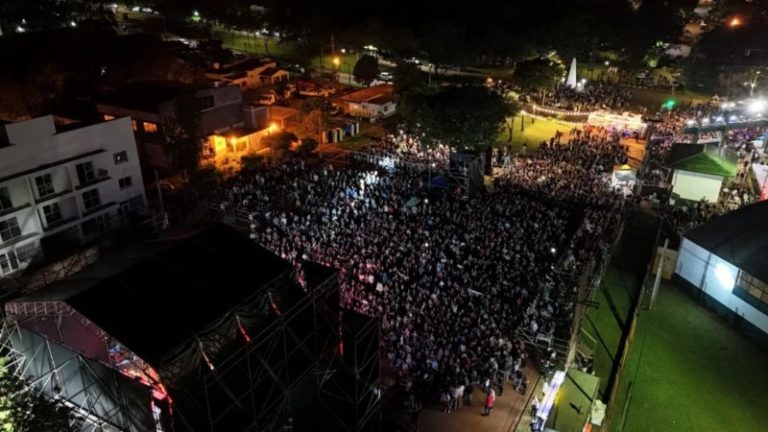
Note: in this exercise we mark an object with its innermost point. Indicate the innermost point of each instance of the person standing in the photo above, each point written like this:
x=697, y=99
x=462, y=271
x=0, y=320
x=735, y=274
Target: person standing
x=490, y=400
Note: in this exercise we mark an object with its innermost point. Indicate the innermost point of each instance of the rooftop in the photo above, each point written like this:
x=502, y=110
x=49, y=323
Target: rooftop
x=240, y=67
x=142, y=96
x=375, y=94
x=156, y=296
x=739, y=237
x=707, y=163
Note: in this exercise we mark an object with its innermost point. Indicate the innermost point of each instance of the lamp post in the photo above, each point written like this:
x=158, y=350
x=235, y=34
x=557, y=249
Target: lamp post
x=336, y=63
x=752, y=84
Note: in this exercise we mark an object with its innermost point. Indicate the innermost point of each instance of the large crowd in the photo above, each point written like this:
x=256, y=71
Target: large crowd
x=459, y=282
x=589, y=97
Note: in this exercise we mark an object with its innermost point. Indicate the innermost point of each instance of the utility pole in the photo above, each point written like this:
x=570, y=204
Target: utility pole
x=657, y=281
x=160, y=198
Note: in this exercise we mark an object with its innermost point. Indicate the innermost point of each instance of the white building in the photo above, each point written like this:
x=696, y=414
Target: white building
x=371, y=102
x=63, y=188
x=725, y=262
x=248, y=73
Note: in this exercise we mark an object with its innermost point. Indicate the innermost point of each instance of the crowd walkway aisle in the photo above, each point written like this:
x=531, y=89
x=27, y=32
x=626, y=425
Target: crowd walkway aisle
x=470, y=419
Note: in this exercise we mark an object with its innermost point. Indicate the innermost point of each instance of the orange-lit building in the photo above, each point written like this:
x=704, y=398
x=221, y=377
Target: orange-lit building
x=372, y=102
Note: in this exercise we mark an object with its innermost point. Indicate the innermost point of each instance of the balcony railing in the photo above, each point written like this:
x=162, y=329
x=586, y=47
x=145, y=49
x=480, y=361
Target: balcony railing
x=8, y=211
x=52, y=196
x=93, y=181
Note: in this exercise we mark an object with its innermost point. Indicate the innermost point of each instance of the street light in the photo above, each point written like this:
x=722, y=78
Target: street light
x=752, y=84
x=757, y=106
x=735, y=22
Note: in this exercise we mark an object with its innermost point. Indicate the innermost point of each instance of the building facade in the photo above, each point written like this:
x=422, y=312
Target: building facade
x=723, y=262
x=375, y=102
x=149, y=105
x=63, y=188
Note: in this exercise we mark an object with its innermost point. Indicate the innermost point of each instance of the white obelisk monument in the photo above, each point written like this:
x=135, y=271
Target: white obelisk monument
x=571, y=80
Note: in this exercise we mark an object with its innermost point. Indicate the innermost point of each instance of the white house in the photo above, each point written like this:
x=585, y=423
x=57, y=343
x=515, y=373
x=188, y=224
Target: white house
x=372, y=102
x=725, y=261
x=60, y=188
x=248, y=73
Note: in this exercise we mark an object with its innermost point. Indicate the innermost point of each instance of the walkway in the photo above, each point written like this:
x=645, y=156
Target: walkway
x=470, y=419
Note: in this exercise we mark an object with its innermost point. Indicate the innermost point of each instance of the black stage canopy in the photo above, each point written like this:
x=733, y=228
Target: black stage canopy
x=156, y=297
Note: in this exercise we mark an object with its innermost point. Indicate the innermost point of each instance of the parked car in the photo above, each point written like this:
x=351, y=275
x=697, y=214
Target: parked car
x=268, y=98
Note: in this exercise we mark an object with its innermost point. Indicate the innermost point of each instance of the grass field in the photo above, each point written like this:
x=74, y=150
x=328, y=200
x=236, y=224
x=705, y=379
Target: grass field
x=536, y=131
x=692, y=372
x=255, y=44
x=651, y=99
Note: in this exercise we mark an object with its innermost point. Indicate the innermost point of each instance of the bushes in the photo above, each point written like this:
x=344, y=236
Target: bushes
x=307, y=146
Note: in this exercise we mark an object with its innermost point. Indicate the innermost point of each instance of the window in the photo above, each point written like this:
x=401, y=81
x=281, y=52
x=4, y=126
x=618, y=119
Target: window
x=5, y=199
x=44, y=185
x=4, y=266
x=108, y=117
x=755, y=287
x=85, y=172
x=134, y=125
x=9, y=229
x=95, y=225
x=52, y=213
x=9, y=262
x=205, y=102
x=29, y=253
x=150, y=128
x=125, y=182
x=120, y=157
x=91, y=199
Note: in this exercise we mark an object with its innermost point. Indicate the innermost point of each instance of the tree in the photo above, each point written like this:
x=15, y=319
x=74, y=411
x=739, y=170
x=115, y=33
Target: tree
x=312, y=123
x=460, y=117
x=366, y=70
x=23, y=409
x=464, y=118
x=183, y=134
x=538, y=74
x=307, y=146
x=407, y=78
x=279, y=142
x=512, y=109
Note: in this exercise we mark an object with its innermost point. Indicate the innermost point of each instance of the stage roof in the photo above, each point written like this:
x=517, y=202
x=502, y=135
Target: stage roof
x=156, y=297
x=739, y=237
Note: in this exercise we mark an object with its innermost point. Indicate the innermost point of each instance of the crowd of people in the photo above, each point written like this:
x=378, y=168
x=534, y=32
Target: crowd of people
x=575, y=167
x=590, y=96
x=459, y=282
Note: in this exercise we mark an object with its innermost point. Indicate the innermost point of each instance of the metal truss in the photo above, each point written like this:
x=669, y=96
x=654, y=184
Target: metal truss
x=96, y=398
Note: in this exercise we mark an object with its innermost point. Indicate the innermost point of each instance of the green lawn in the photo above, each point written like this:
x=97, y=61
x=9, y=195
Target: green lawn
x=536, y=131
x=255, y=44
x=346, y=62
x=692, y=372
x=651, y=99
x=707, y=163
x=614, y=300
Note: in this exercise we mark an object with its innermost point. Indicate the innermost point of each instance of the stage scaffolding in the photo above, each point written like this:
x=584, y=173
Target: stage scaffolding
x=311, y=367
x=101, y=398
